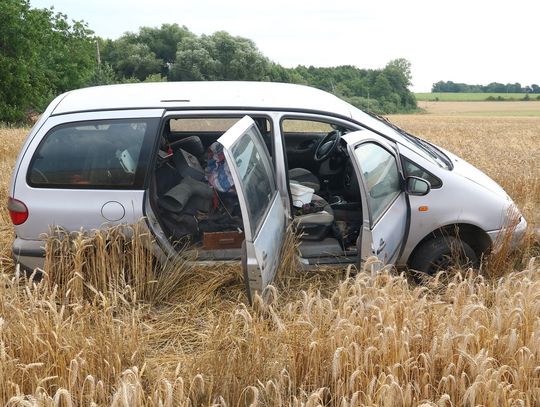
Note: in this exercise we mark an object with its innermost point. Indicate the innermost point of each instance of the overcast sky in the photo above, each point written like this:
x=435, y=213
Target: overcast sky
x=471, y=41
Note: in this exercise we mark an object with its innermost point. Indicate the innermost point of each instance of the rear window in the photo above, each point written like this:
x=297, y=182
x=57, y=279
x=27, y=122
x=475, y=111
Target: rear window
x=111, y=154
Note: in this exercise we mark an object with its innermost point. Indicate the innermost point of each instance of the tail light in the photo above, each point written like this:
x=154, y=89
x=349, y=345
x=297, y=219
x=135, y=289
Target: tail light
x=17, y=211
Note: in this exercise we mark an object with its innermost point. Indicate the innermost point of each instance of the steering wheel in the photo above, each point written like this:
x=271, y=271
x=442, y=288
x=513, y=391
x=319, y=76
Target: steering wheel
x=327, y=145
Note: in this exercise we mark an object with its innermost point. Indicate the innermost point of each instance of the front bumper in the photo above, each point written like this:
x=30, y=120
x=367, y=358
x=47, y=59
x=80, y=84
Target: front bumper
x=515, y=234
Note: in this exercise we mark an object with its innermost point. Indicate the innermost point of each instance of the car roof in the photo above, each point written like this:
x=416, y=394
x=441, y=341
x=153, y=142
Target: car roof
x=191, y=95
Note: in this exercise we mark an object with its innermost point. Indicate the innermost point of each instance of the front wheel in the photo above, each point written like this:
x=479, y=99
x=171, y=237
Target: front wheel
x=442, y=253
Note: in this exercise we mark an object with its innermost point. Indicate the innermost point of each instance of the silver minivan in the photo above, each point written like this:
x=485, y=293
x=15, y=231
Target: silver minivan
x=221, y=168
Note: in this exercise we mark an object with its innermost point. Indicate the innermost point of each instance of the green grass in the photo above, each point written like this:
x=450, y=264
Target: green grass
x=470, y=97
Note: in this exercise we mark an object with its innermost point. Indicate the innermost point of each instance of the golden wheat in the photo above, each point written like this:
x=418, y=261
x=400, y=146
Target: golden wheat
x=106, y=327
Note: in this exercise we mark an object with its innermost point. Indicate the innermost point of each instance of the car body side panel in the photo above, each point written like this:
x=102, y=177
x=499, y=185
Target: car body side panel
x=458, y=201
x=74, y=209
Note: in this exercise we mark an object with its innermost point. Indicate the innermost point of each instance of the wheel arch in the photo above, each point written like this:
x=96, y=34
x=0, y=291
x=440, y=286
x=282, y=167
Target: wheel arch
x=471, y=234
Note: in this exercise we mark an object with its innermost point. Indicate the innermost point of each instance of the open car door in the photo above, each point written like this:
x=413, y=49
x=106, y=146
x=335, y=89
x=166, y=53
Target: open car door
x=263, y=213
x=384, y=201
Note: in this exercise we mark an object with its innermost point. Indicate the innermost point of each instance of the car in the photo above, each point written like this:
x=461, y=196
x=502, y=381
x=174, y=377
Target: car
x=222, y=169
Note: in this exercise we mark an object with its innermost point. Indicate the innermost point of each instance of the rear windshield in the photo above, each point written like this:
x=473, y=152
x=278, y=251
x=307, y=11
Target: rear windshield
x=105, y=154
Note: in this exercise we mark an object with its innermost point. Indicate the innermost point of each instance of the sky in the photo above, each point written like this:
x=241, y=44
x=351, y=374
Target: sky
x=469, y=41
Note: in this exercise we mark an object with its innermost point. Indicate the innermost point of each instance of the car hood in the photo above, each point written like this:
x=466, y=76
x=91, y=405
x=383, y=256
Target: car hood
x=470, y=172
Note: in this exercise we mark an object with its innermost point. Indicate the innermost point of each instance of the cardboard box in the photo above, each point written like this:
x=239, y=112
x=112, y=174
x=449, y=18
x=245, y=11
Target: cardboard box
x=223, y=240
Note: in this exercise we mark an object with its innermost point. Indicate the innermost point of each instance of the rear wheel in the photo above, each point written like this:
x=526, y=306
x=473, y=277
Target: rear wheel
x=443, y=253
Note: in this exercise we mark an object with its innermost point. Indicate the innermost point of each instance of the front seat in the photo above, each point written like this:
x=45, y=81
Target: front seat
x=305, y=178
x=315, y=226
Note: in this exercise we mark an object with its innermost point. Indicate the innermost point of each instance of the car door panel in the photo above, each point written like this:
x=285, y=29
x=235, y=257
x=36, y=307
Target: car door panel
x=388, y=233
x=262, y=209
x=385, y=213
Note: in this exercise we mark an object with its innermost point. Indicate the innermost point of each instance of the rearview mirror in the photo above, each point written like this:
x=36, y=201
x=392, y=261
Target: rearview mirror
x=417, y=186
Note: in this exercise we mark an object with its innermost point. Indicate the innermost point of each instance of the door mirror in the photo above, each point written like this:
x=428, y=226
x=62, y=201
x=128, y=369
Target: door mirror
x=417, y=186
x=379, y=190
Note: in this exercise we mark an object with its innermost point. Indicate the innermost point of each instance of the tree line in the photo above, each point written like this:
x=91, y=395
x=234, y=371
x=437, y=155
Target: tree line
x=494, y=87
x=43, y=54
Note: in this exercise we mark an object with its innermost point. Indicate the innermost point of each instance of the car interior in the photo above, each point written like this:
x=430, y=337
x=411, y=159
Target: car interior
x=196, y=204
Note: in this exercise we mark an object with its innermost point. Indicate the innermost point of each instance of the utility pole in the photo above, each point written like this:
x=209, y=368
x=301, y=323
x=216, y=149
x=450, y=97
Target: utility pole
x=98, y=55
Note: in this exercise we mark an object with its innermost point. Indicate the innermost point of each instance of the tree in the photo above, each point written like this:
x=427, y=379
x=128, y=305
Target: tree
x=219, y=56
x=381, y=88
x=402, y=65
x=68, y=52
x=41, y=55
x=132, y=59
x=194, y=61
x=21, y=78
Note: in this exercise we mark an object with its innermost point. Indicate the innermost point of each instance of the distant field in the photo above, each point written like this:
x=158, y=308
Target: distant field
x=483, y=109
x=469, y=97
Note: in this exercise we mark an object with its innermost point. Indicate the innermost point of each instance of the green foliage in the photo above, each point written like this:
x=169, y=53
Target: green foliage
x=103, y=74
x=41, y=55
x=493, y=87
x=377, y=90
x=474, y=96
x=132, y=59
x=219, y=56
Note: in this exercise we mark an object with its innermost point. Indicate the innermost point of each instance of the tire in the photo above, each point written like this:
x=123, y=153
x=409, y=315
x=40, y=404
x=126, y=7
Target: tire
x=443, y=253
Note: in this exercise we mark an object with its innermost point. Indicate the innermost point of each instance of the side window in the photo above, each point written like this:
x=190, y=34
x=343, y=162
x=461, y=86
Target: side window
x=257, y=176
x=301, y=136
x=412, y=169
x=381, y=175
x=107, y=154
x=305, y=126
x=209, y=129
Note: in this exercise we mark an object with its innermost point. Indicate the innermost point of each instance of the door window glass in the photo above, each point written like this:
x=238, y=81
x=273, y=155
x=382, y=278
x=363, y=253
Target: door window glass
x=381, y=175
x=100, y=154
x=213, y=124
x=305, y=126
x=412, y=169
x=257, y=177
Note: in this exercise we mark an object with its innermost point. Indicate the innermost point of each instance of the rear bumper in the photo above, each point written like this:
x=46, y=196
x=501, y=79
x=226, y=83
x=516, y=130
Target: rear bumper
x=30, y=254
x=517, y=233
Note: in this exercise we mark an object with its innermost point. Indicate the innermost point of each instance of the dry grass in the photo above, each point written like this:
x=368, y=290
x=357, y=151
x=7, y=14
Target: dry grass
x=105, y=328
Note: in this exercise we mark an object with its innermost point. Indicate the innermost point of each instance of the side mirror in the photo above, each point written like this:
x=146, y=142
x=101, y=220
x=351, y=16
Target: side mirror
x=417, y=186
x=379, y=190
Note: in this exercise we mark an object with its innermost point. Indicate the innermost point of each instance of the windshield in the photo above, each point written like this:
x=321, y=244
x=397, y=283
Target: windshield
x=381, y=124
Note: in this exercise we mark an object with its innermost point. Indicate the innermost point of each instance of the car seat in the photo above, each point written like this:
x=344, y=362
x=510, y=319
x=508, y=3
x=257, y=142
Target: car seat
x=315, y=225
x=304, y=177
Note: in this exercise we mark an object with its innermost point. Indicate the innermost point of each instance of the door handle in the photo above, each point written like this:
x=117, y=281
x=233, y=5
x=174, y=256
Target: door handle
x=382, y=245
x=264, y=257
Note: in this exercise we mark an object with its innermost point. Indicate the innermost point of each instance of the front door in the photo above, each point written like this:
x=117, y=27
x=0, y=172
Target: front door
x=263, y=213
x=384, y=199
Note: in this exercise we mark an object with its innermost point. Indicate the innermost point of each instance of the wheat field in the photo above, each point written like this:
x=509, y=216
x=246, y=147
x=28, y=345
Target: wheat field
x=104, y=327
